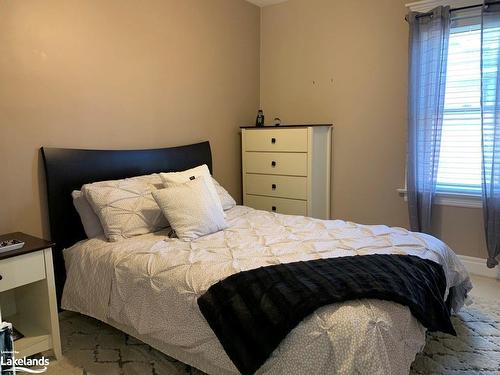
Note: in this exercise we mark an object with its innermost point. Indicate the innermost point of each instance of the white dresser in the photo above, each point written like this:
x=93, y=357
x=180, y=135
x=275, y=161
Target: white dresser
x=287, y=169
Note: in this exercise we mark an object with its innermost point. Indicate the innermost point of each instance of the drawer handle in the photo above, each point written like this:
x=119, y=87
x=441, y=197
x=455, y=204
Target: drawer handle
x=273, y=140
x=273, y=186
x=273, y=163
x=1, y=277
x=273, y=208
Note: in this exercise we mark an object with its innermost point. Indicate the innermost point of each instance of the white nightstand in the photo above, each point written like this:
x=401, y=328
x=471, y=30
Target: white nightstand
x=28, y=297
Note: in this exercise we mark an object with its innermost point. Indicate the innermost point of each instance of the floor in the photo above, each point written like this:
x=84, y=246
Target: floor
x=476, y=349
x=485, y=287
x=91, y=347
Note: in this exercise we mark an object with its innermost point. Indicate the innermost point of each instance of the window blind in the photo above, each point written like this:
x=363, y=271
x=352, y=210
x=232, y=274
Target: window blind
x=460, y=157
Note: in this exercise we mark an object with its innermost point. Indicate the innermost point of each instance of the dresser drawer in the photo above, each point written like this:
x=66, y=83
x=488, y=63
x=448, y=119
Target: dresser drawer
x=21, y=270
x=276, y=186
x=278, y=205
x=290, y=140
x=293, y=164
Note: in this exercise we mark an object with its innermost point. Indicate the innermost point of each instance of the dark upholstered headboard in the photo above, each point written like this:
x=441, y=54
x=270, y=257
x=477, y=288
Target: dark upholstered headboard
x=68, y=169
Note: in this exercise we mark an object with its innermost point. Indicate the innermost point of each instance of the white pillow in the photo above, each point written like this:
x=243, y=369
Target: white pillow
x=191, y=209
x=226, y=199
x=175, y=178
x=153, y=179
x=126, y=207
x=90, y=221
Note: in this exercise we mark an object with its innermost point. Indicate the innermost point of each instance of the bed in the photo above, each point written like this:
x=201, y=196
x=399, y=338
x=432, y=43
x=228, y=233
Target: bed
x=148, y=286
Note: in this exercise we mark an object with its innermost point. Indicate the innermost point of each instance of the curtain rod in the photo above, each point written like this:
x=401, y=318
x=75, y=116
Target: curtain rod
x=452, y=10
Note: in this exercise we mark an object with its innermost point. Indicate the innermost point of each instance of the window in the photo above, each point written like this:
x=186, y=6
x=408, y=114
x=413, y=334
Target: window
x=460, y=158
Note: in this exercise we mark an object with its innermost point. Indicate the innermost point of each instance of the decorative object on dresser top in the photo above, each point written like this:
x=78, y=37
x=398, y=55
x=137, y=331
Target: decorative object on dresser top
x=28, y=296
x=259, y=122
x=286, y=169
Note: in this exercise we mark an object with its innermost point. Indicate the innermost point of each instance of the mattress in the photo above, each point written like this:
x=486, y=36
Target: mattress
x=148, y=287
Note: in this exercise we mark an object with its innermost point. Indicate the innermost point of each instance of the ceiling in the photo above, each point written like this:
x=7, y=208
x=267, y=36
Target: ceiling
x=263, y=3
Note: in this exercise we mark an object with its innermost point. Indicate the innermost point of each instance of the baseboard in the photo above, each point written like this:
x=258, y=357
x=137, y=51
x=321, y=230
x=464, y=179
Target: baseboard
x=477, y=266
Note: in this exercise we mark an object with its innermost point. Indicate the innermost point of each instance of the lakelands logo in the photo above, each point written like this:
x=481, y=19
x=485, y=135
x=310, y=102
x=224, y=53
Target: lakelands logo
x=11, y=365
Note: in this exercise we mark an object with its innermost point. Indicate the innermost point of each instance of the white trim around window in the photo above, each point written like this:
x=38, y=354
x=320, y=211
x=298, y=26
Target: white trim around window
x=427, y=5
x=452, y=199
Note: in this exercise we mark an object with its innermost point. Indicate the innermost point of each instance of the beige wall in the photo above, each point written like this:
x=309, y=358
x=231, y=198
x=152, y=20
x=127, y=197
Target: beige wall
x=346, y=62
x=135, y=74
x=120, y=74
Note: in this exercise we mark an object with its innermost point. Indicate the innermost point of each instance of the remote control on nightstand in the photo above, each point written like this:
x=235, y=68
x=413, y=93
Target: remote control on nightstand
x=9, y=245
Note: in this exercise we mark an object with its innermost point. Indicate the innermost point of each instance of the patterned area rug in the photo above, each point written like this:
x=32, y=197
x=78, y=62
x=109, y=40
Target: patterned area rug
x=91, y=347
x=475, y=350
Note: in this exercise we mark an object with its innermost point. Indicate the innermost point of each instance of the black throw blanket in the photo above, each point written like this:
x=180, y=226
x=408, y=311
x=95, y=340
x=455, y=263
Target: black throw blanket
x=251, y=312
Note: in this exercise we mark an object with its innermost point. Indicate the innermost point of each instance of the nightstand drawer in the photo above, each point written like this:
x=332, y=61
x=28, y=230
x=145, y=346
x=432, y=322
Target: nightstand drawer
x=21, y=270
x=277, y=186
x=278, y=205
x=290, y=140
x=292, y=164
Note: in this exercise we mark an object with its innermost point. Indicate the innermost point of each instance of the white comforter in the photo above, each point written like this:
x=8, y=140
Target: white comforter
x=148, y=286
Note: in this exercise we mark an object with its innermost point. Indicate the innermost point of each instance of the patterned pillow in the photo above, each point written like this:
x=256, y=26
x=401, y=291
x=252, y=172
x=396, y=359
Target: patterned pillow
x=126, y=207
x=191, y=209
